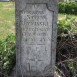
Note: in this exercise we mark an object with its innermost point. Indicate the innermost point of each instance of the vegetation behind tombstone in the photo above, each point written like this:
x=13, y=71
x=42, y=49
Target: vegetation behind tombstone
x=67, y=47
x=7, y=54
x=68, y=7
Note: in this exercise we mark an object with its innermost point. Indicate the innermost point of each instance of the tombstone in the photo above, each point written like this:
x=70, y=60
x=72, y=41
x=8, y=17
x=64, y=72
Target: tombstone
x=61, y=0
x=36, y=33
x=4, y=0
x=75, y=0
x=1, y=70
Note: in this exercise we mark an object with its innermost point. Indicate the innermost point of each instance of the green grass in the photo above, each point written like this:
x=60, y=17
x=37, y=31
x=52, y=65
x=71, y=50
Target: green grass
x=7, y=19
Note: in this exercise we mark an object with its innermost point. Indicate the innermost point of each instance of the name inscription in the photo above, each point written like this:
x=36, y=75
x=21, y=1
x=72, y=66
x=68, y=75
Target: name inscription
x=36, y=37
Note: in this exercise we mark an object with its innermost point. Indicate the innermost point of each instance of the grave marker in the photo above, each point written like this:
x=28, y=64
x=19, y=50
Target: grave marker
x=36, y=32
x=4, y=0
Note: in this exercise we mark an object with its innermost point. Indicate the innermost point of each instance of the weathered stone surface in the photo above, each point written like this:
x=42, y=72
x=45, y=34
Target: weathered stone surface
x=4, y=0
x=36, y=33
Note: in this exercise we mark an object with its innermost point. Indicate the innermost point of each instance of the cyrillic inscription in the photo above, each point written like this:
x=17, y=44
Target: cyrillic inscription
x=36, y=37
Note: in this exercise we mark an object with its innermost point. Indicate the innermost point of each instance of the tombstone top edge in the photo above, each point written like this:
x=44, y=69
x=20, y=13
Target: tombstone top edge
x=37, y=1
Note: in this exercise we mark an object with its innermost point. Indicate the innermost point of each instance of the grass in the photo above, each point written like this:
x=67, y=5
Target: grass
x=7, y=18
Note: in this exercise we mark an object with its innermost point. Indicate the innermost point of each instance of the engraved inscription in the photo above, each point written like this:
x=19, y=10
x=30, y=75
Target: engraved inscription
x=36, y=37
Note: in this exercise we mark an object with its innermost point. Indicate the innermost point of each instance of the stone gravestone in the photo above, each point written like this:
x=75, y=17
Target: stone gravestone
x=36, y=32
x=4, y=0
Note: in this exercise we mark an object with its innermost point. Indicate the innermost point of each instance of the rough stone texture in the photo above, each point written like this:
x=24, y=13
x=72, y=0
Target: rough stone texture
x=36, y=33
x=4, y=0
